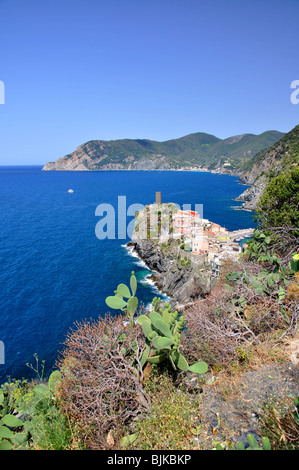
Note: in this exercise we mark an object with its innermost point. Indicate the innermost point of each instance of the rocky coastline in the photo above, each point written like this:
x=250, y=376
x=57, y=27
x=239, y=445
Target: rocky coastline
x=181, y=283
x=251, y=196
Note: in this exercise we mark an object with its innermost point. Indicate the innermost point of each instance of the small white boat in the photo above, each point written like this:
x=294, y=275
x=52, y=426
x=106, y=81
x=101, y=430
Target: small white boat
x=70, y=191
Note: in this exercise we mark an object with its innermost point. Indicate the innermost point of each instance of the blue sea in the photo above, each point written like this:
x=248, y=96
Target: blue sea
x=54, y=271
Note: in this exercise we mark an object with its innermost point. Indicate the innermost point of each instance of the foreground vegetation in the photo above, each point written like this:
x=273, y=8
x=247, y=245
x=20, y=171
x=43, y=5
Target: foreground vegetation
x=134, y=379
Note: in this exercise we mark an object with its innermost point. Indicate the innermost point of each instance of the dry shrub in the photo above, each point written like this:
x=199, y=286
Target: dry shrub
x=209, y=335
x=219, y=325
x=279, y=421
x=101, y=388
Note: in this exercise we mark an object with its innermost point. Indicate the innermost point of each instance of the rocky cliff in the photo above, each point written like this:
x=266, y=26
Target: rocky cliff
x=252, y=195
x=267, y=164
x=183, y=284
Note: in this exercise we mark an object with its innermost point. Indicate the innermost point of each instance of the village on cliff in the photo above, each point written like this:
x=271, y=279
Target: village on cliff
x=200, y=240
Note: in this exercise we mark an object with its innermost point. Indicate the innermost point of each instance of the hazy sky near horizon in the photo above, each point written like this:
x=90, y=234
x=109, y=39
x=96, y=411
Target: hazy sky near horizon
x=78, y=70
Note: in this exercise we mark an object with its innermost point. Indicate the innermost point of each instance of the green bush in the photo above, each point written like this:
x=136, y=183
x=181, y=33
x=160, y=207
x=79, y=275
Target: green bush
x=278, y=209
x=31, y=417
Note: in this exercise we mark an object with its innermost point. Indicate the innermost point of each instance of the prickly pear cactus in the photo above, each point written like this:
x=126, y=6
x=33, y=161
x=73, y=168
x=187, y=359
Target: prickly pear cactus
x=253, y=444
x=295, y=262
x=163, y=329
x=118, y=302
x=12, y=433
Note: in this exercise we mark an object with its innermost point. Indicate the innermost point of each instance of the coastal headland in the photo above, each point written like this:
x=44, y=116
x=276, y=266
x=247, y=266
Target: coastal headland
x=183, y=250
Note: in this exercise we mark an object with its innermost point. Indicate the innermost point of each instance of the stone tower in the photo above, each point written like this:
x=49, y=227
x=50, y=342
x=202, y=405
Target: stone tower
x=158, y=197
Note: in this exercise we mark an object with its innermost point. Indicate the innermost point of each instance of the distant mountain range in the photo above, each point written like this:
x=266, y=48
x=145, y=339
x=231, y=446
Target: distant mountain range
x=198, y=151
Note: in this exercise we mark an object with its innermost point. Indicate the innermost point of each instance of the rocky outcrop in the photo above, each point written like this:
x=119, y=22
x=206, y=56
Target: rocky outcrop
x=183, y=284
x=61, y=165
x=252, y=195
x=258, y=177
x=283, y=155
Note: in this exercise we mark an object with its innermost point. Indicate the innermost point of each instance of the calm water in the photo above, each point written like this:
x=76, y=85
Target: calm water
x=54, y=271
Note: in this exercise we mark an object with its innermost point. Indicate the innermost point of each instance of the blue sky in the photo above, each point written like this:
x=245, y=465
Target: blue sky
x=77, y=70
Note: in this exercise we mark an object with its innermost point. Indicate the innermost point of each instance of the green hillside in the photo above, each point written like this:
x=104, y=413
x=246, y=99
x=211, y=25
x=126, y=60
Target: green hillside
x=278, y=159
x=199, y=150
x=281, y=156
